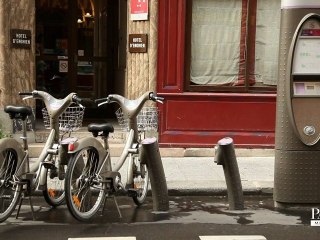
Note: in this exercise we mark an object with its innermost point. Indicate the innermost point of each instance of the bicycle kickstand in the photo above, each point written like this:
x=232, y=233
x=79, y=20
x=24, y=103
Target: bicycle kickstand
x=115, y=202
x=30, y=201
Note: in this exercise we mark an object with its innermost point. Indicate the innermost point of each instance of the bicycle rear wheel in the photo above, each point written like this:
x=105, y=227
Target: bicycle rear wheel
x=140, y=182
x=9, y=191
x=54, y=193
x=84, y=189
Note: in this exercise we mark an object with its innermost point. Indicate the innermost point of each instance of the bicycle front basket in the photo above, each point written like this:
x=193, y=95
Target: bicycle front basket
x=69, y=121
x=147, y=119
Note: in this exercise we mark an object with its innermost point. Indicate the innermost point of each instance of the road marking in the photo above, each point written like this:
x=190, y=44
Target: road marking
x=233, y=237
x=104, y=238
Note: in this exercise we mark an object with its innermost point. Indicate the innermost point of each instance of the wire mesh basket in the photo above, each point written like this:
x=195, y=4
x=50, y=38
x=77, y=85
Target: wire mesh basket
x=147, y=119
x=69, y=121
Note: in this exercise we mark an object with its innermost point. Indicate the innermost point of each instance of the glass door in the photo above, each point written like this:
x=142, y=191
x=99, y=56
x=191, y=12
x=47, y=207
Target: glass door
x=91, y=51
x=77, y=47
x=52, y=41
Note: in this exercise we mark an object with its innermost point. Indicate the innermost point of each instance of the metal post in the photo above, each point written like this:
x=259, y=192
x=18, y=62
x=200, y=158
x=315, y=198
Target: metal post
x=225, y=156
x=150, y=155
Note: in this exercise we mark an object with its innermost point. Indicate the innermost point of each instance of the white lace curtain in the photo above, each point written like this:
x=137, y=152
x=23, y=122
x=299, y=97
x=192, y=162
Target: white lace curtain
x=215, y=41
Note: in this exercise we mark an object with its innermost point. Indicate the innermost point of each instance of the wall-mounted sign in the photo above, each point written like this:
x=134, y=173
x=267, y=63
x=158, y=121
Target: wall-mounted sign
x=63, y=66
x=139, y=10
x=138, y=43
x=20, y=38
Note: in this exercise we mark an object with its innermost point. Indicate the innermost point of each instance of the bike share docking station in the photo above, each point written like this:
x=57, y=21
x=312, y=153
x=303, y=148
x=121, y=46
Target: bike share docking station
x=150, y=154
x=297, y=147
x=225, y=156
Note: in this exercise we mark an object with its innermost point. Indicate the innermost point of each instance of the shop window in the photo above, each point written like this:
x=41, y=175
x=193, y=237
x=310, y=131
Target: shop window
x=232, y=45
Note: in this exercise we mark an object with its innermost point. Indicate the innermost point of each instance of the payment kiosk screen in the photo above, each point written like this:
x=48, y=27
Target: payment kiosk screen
x=307, y=56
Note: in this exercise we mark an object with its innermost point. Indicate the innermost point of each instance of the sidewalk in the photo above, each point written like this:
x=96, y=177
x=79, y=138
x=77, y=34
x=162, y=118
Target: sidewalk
x=202, y=176
x=193, y=171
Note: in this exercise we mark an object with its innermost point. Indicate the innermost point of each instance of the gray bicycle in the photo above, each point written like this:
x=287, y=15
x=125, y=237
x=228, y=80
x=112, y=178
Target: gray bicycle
x=18, y=177
x=91, y=177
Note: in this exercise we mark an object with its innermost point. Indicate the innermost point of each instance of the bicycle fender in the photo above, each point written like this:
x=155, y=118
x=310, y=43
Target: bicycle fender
x=87, y=142
x=11, y=143
x=91, y=142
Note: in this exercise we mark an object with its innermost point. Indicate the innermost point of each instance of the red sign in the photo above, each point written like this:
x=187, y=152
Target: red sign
x=139, y=10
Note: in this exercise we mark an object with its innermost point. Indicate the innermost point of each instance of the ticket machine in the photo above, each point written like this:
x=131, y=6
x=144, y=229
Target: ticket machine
x=297, y=135
x=304, y=80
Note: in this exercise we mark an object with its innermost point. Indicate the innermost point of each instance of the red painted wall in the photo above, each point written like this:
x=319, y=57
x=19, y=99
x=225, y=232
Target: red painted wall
x=201, y=119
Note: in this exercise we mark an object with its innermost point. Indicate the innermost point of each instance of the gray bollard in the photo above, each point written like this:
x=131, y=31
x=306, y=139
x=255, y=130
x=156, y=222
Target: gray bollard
x=225, y=156
x=150, y=155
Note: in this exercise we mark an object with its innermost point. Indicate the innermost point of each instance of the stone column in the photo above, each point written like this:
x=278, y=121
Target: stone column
x=17, y=66
x=142, y=67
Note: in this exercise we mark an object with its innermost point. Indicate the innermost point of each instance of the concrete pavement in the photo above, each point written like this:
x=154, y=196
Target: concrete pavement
x=194, y=172
x=202, y=176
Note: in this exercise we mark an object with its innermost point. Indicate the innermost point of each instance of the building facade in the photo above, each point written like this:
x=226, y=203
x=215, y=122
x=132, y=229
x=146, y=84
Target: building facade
x=215, y=62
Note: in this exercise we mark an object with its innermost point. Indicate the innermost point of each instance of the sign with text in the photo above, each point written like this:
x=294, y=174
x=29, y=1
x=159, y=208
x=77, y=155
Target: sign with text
x=139, y=10
x=20, y=38
x=138, y=43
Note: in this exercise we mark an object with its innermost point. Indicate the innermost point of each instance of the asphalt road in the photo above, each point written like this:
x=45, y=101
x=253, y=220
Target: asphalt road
x=187, y=218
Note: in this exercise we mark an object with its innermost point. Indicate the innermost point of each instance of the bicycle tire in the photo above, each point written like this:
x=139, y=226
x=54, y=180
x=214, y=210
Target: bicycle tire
x=54, y=193
x=141, y=182
x=84, y=190
x=9, y=191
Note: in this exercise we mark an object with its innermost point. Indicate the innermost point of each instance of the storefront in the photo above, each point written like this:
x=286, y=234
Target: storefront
x=75, y=46
x=217, y=68
x=215, y=62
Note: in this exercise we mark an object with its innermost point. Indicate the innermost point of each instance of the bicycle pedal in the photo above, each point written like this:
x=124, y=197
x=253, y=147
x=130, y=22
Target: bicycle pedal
x=132, y=192
x=53, y=173
x=48, y=164
x=61, y=172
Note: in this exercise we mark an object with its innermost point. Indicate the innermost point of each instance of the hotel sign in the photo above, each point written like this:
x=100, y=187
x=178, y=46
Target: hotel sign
x=20, y=38
x=138, y=43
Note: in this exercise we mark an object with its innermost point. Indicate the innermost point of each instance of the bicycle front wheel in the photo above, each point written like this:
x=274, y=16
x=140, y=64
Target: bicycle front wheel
x=54, y=193
x=9, y=191
x=140, y=182
x=83, y=185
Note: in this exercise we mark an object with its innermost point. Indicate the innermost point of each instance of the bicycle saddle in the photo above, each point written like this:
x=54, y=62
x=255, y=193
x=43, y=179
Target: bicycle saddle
x=95, y=128
x=18, y=112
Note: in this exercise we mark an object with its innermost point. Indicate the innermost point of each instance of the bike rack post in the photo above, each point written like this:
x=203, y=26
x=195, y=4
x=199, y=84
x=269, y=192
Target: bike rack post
x=225, y=156
x=150, y=155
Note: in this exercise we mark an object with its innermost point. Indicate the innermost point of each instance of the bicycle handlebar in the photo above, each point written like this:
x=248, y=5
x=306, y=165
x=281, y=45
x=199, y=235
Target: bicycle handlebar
x=101, y=101
x=25, y=93
x=155, y=98
x=112, y=98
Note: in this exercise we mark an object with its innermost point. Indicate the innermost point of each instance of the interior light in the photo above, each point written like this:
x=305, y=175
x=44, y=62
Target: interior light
x=88, y=15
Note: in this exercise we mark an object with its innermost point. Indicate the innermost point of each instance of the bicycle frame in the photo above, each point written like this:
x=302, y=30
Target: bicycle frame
x=55, y=108
x=131, y=108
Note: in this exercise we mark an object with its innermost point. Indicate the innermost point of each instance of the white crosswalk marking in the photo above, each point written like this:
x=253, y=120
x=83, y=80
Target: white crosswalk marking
x=104, y=238
x=233, y=237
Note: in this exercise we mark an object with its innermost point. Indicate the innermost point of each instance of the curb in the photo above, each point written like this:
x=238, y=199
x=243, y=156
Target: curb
x=116, y=150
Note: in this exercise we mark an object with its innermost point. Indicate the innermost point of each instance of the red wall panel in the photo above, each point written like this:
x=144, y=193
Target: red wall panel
x=190, y=120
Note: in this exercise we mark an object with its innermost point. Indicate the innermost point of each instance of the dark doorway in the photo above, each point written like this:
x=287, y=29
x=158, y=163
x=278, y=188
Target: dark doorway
x=77, y=49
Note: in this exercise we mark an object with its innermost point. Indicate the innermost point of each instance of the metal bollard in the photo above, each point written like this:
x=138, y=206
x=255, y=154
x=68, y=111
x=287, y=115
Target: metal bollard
x=225, y=156
x=150, y=155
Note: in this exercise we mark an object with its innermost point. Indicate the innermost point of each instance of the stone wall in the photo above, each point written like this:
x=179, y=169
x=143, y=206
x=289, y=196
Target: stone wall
x=142, y=67
x=17, y=66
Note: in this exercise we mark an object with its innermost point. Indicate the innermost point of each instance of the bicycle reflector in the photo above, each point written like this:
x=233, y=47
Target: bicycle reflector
x=71, y=147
